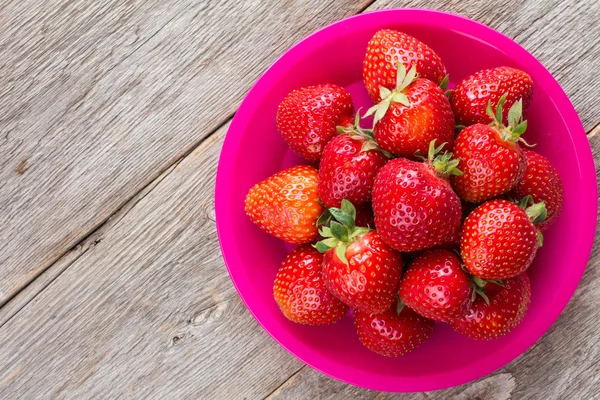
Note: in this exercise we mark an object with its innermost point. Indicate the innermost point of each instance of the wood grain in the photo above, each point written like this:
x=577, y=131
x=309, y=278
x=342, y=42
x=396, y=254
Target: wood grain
x=563, y=34
x=144, y=308
x=98, y=98
x=148, y=312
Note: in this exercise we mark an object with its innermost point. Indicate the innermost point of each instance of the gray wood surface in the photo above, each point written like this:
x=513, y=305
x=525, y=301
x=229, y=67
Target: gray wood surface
x=98, y=98
x=143, y=306
x=147, y=312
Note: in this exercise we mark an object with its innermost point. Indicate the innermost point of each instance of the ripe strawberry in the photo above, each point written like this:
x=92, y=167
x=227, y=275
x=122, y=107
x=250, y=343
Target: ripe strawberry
x=491, y=160
x=414, y=205
x=470, y=97
x=307, y=118
x=412, y=115
x=499, y=239
x=496, y=317
x=435, y=286
x=358, y=268
x=300, y=292
x=542, y=182
x=364, y=216
x=348, y=167
x=394, y=332
x=386, y=49
x=286, y=204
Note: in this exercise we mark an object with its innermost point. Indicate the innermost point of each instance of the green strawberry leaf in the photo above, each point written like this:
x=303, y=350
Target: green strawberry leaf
x=340, y=251
x=321, y=247
x=515, y=114
x=349, y=208
x=444, y=83
x=401, y=98
x=537, y=212
x=324, y=218
x=520, y=128
x=540, y=238
x=342, y=217
x=339, y=231
x=400, y=74
x=499, y=109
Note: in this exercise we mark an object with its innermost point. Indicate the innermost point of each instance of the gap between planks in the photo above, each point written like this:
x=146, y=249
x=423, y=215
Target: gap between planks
x=15, y=303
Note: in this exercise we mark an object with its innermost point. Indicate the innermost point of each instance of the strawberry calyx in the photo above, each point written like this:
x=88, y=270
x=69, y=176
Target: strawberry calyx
x=536, y=212
x=444, y=164
x=516, y=125
x=399, y=305
x=444, y=86
x=367, y=137
x=341, y=231
x=403, y=81
x=478, y=287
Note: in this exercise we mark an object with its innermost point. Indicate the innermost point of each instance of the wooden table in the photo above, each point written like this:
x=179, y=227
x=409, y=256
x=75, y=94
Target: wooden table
x=112, y=117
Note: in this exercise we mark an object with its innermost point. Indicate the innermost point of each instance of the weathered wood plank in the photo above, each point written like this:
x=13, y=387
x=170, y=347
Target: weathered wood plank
x=148, y=312
x=564, y=364
x=98, y=98
x=563, y=34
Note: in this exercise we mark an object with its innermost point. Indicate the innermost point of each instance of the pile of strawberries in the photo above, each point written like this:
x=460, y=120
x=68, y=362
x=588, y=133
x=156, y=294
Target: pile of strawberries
x=434, y=214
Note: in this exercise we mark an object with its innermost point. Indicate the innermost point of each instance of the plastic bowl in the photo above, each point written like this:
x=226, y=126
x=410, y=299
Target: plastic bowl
x=253, y=150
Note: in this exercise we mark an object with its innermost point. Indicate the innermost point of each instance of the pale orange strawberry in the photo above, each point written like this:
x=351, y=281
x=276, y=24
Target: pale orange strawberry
x=286, y=204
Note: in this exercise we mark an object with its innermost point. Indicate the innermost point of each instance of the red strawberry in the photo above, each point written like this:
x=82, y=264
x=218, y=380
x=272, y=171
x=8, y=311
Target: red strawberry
x=358, y=268
x=348, y=167
x=435, y=286
x=414, y=205
x=491, y=160
x=307, y=118
x=411, y=116
x=364, y=215
x=286, y=204
x=300, y=291
x=470, y=97
x=499, y=239
x=503, y=311
x=395, y=332
x=542, y=182
x=386, y=49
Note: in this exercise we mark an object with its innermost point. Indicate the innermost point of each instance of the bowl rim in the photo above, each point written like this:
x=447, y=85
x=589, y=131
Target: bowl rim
x=479, y=31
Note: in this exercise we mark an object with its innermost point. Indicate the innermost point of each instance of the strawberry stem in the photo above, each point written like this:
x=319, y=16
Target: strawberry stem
x=516, y=125
x=444, y=164
x=365, y=135
x=403, y=80
x=340, y=232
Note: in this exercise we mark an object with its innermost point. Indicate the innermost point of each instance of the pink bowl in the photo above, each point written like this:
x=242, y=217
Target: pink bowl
x=254, y=150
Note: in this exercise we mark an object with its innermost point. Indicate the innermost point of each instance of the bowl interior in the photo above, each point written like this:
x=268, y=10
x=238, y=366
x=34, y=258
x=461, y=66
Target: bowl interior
x=254, y=150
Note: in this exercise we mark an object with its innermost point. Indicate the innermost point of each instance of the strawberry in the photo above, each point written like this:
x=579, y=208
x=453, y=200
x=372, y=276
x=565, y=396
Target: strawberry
x=386, y=49
x=542, y=182
x=394, y=332
x=364, y=215
x=300, y=292
x=286, y=204
x=491, y=160
x=412, y=115
x=348, y=167
x=414, y=205
x=435, y=286
x=358, y=267
x=499, y=312
x=499, y=239
x=307, y=118
x=470, y=97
